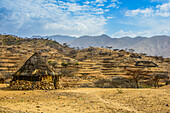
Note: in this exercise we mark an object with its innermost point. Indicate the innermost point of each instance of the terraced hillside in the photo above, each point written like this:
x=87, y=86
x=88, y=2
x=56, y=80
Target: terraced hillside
x=84, y=67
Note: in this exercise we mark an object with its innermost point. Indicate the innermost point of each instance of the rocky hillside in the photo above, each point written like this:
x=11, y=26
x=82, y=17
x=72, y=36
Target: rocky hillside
x=83, y=68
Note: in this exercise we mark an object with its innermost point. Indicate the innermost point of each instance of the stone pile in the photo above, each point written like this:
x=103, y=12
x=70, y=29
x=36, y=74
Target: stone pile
x=27, y=85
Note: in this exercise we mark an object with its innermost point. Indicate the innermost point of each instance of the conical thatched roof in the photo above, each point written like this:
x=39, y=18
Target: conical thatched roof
x=35, y=66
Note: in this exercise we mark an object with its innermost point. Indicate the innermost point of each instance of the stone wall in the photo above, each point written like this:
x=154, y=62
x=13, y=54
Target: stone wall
x=28, y=85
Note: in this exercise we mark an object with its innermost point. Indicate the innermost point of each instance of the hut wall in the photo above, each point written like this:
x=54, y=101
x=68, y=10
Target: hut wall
x=2, y=80
x=27, y=85
x=47, y=78
x=27, y=78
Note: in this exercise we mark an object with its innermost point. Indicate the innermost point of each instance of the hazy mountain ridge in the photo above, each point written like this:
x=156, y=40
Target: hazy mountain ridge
x=104, y=40
x=156, y=45
x=86, y=41
x=59, y=38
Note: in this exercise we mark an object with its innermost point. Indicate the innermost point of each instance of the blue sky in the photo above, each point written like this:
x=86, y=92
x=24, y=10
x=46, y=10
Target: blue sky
x=117, y=18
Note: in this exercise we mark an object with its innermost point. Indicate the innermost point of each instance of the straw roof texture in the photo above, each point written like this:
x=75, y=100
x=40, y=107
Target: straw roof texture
x=36, y=66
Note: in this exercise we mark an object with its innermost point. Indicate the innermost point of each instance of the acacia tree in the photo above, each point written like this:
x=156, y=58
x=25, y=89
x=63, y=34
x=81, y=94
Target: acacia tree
x=156, y=78
x=137, y=75
x=131, y=50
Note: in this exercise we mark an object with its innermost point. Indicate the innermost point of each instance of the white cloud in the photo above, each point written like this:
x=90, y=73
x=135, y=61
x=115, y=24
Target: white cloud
x=145, y=12
x=82, y=25
x=52, y=17
x=144, y=26
x=163, y=10
x=106, y=10
x=87, y=2
x=122, y=33
x=114, y=0
x=101, y=1
x=111, y=5
x=163, y=30
x=100, y=5
x=109, y=17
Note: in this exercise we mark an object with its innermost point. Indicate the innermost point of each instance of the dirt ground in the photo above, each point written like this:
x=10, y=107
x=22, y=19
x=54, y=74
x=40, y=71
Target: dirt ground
x=86, y=100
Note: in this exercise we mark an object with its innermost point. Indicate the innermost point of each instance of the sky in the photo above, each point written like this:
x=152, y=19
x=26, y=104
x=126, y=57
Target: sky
x=116, y=18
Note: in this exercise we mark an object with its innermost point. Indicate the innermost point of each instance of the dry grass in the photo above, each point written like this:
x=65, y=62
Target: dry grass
x=86, y=100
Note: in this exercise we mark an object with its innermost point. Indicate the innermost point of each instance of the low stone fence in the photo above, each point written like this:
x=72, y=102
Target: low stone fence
x=28, y=85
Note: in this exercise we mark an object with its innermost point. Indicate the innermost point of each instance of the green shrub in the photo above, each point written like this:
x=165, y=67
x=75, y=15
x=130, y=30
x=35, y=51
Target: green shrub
x=64, y=64
x=77, y=64
x=49, y=62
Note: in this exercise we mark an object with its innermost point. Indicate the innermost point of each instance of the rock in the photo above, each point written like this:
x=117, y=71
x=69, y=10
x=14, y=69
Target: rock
x=37, y=106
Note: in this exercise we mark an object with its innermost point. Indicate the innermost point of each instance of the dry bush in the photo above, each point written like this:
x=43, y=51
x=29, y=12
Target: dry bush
x=66, y=73
x=114, y=82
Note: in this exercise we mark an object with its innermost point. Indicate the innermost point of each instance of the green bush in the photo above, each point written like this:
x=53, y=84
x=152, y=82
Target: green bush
x=49, y=62
x=77, y=64
x=64, y=64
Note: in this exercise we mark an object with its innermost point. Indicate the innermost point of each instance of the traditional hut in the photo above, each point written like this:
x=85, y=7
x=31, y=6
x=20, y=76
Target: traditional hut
x=35, y=74
x=146, y=64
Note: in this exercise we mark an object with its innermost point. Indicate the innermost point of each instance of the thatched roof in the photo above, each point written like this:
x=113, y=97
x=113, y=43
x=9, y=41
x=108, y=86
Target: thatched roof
x=35, y=66
x=146, y=64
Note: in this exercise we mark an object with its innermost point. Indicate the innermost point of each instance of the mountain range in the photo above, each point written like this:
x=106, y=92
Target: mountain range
x=155, y=46
x=59, y=38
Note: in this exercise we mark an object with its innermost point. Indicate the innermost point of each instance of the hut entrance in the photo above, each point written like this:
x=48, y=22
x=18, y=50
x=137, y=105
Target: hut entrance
x=28, y=78
x=2, y=80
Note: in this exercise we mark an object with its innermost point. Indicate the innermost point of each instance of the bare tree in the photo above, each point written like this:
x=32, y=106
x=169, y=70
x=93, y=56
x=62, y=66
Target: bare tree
x=65, y=45
x=136, y=74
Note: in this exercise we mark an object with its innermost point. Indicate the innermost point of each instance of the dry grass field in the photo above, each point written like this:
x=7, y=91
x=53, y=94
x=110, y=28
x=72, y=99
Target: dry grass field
x=85, y=100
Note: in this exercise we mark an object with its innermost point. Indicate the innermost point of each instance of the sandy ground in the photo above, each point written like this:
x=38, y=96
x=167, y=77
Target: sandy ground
x=86, y=100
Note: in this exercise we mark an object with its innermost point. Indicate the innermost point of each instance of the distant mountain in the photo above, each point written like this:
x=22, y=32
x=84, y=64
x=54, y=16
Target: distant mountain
x=104, y=40
x=124, y=42
x=157, y=45
x=95, y=41
x=59, y=38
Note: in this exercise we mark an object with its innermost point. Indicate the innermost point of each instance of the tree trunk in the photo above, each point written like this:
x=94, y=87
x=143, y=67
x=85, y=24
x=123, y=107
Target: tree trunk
x=137, y=86
x=56, y=82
